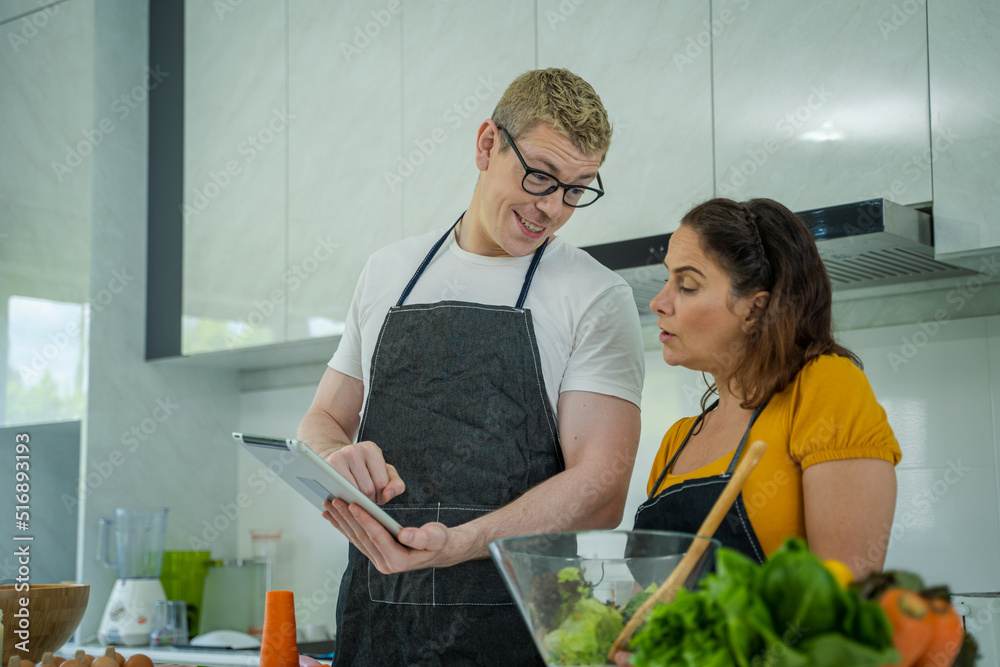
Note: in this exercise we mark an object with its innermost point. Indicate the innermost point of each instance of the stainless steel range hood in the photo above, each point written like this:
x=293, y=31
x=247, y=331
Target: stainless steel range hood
x=870, y=243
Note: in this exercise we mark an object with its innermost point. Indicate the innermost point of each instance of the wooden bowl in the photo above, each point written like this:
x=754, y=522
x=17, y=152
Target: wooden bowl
x=54, y=612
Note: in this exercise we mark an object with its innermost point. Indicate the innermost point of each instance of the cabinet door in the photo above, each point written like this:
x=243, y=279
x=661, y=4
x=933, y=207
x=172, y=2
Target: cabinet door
x=821, y=103
x=650, y=62
x=965, y=113
x=344, y=86
x=460, y=57
x=235, y=140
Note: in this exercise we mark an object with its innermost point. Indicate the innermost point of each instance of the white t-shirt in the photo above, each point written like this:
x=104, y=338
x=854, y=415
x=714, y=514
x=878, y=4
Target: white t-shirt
x=585, y=320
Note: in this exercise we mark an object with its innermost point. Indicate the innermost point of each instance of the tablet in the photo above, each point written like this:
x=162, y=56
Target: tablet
x=311, y=476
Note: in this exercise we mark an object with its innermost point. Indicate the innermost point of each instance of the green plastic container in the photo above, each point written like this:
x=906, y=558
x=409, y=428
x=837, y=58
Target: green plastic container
x=183, y=578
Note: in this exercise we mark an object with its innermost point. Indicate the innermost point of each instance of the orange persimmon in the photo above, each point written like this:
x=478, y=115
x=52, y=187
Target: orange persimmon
x=912, y=623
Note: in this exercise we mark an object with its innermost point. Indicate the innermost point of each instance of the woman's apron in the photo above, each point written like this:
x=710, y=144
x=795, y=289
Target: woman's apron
x=458, y=405
x=684, y=506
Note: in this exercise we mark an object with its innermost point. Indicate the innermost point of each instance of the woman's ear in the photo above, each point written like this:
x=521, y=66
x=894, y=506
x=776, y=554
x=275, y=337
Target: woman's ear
x=487, y=139
x=758, y=304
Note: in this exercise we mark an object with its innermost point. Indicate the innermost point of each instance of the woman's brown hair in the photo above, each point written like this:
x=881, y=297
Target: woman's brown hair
x=762, y=245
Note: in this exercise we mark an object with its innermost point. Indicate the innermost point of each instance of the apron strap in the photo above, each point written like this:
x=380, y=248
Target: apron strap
x=736, y=456
x=427, y=260
x=746, y=434
x=531, y=274
x=437, y=246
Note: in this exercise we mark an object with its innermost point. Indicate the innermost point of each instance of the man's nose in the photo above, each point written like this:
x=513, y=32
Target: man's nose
x=551, y=204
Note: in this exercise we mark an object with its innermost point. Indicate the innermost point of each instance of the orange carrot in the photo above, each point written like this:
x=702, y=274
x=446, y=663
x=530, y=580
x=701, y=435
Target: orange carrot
x=278, y=645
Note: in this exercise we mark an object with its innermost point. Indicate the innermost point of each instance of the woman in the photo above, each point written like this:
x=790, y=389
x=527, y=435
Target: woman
x=748, y=302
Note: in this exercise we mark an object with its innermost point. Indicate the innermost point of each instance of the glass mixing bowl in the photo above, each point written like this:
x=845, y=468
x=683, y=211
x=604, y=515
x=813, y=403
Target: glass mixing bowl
x=577, y=590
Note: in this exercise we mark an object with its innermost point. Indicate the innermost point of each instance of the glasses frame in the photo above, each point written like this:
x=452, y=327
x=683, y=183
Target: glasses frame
x=559, y=184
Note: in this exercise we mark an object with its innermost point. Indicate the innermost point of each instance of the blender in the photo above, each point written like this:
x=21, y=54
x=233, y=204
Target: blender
x=138, y=556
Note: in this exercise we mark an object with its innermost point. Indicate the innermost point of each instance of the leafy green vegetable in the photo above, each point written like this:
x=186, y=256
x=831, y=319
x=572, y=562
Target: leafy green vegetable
x=691, y=631
x=585, y=635
x=790, y=612
x=801, y=593
x=637, y=600
x=554, y=594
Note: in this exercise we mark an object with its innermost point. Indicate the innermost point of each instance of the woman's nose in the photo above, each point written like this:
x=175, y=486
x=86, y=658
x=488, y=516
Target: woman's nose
x=661, y=302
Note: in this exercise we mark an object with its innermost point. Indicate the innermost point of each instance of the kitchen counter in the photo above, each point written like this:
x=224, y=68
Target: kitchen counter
x=169, y=654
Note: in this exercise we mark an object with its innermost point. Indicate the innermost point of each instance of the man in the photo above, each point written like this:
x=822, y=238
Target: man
x=510, y=408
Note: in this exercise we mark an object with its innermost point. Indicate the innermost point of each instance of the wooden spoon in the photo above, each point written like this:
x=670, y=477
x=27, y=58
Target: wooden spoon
x=668, y=590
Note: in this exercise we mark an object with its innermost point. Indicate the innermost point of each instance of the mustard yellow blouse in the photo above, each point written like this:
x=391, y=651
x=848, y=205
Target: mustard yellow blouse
x=827, y=413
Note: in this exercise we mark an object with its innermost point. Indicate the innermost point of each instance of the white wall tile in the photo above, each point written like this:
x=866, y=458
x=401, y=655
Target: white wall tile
x=965, y=114
x=345, y=91
x=659, y=102
x=947, y=527
x=819, y=103
x=935, y=388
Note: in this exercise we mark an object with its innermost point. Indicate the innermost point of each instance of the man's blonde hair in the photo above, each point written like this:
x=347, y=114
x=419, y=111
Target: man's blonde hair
x=560, y=99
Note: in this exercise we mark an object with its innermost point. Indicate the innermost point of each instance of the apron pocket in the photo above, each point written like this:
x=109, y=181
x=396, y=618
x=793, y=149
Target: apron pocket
x=476, y=582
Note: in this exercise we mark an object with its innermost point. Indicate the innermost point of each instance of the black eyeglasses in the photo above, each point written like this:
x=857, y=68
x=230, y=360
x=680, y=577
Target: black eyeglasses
x=540, y=183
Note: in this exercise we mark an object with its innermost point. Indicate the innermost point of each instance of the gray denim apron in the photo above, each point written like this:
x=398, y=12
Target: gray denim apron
x=684, y=506
x=457, y=404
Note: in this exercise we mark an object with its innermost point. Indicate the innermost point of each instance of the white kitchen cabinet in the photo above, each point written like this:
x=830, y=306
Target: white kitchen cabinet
x=821, y=103
x=659, y=102
x=965, y=122
x=459, y=58
x=344, y=86
x=236, y=129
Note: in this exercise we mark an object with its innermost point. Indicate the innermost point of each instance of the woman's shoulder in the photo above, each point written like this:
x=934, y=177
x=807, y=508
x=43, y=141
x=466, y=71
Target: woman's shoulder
x=830, y=368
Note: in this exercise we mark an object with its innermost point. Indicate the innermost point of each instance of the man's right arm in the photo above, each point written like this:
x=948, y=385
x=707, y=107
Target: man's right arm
x=330, y=426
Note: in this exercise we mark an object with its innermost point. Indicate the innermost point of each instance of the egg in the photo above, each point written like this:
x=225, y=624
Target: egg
x=139, y=660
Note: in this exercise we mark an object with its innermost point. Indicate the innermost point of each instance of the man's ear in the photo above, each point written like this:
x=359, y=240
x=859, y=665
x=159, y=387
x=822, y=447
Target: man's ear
x=758, y=304
x=487, y=144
